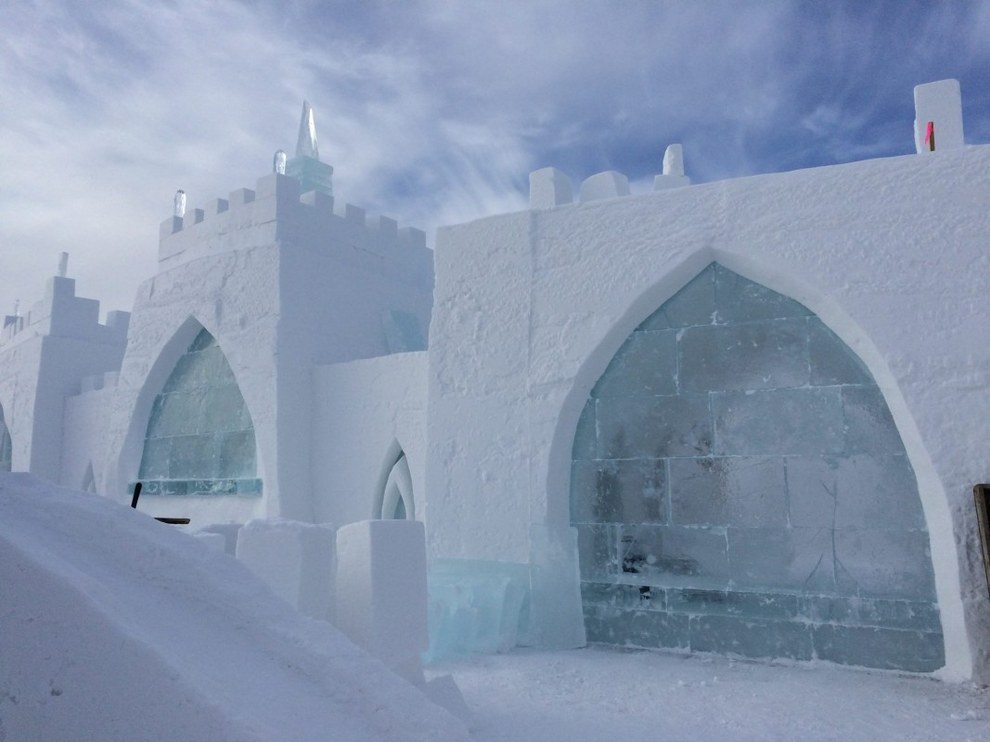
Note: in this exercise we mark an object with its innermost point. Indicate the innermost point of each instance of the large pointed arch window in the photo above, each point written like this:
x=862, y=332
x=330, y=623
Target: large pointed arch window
x=200, y=438
x=739, y=485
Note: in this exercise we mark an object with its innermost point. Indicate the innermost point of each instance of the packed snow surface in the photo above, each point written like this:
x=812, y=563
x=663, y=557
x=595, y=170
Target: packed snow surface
x=607, y=694
x=116, y=627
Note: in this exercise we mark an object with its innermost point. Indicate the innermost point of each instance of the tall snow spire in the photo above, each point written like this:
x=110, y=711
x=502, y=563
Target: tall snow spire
x=306, y=143
x=306, y=167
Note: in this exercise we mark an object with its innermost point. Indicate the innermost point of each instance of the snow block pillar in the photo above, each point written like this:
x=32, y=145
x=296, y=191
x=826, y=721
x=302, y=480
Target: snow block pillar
x=549, y=187
x=673, y=170
x=556, y=617
x=381, y=592
x=296, y=560
x=938, y=103
x=609, y=184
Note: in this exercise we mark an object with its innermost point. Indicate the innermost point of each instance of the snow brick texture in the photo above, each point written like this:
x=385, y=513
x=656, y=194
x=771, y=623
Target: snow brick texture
x=739, y=487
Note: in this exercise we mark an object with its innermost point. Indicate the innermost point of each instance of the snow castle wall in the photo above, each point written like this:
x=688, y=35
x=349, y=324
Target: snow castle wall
x=284, y=284
x=871, y=248
x=45, y=357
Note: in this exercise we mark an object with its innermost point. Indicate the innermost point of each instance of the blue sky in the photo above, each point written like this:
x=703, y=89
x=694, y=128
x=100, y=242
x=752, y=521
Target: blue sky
x=433, y=112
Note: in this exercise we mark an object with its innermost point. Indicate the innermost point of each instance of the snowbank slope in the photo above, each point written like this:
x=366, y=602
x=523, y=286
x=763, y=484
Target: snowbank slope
x=114, y=626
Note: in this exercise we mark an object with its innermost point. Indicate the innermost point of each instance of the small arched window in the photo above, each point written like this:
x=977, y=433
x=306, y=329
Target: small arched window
x=397, y=498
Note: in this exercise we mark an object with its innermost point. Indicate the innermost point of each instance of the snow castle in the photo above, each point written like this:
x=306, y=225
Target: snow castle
x=742, y=417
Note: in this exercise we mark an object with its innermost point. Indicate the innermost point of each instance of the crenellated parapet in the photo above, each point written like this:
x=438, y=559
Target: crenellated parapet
x=276, y=212
x=550, y=187
x=63, y=314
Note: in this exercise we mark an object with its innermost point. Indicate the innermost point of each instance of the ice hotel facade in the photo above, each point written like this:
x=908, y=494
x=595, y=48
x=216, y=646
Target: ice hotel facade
x=740, y=417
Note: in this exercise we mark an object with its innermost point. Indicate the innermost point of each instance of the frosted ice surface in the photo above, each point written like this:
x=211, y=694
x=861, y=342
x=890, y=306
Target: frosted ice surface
x=741, y=490
x=646, y=362
x=778, y=421
x=692, y=305
x=738, y=483
x=654, y=427
x=475, y=606
x=402, y=333
x=758, y=355
x=200, y=438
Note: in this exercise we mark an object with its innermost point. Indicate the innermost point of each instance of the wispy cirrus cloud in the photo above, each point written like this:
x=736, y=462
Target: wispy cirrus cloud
x=432, y=112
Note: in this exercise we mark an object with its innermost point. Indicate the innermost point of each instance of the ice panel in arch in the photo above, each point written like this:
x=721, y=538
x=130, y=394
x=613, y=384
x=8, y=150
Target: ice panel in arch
x=200, y=437
x=785, y=483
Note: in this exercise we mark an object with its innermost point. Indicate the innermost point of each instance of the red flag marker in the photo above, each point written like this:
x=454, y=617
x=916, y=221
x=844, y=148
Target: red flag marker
x=930, y=136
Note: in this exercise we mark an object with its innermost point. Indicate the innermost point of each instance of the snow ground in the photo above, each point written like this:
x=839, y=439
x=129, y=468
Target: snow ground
x=114, y=627
x=612, y=694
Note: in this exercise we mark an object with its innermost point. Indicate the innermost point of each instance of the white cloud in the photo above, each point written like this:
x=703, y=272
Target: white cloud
x=431, y=111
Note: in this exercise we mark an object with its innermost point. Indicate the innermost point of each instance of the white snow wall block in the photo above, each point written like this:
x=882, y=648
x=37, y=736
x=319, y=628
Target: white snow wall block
x=609, y=184
x=549, y=187
x=296, y=560
x=941, y=103
x=556, y=620
x=381, y=591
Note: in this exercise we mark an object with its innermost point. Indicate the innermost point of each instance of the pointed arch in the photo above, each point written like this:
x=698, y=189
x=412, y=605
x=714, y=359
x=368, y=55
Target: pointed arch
x=6, y=444
x=199, y=438
x=739, y=485
x=394, y=499
x=89, y=480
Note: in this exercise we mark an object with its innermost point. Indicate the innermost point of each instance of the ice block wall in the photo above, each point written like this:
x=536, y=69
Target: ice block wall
x=200, y=438
x=739, y=486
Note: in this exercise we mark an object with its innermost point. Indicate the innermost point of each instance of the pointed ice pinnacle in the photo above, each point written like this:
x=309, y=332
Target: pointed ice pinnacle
x=63, y=264
x=180, y=203
x=306, y=144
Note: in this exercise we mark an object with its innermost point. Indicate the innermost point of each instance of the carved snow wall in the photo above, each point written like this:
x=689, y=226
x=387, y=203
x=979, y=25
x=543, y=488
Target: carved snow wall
x=739, y=486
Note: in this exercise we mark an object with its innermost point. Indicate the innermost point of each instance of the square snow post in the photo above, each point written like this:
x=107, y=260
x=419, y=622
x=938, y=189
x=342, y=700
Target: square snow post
x=229, y=532
x=240, y=197
x=296, y=560
x=412, y=237
x=609, y=184
x=170, y=226
x=321, y=201
x=941, y=103
x=217, y=206
x=276, y=196
x=381, y=591
x=673, y=170
x=354, y=214
x=556, y=618
x=549, y=187
x=193, y=216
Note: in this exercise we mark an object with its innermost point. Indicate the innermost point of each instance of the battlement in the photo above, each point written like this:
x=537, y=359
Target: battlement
x=938, y=126
x=550, y=187
x=276, y=211
x=63, y=314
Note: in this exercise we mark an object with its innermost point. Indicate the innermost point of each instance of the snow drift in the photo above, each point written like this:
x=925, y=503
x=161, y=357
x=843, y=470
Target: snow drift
x=114, y=626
